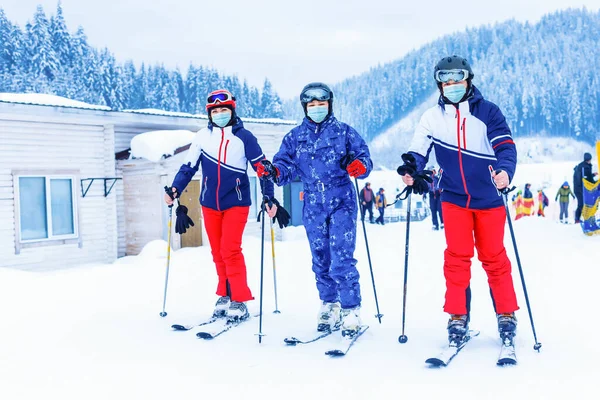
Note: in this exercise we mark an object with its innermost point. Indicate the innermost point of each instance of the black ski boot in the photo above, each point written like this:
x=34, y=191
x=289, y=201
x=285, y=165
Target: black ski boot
x=458, y=326
x=507, y=327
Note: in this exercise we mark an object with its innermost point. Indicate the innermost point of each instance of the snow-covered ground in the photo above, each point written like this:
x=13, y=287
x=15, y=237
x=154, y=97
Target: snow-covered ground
x=94, y=332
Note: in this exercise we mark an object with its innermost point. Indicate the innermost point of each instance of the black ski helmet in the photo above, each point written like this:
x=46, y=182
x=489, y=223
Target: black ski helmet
x=453, y=62
x=304, y=99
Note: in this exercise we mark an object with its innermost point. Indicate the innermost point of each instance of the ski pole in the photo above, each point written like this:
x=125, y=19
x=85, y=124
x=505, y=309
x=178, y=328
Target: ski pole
x=163, y=312
x=262, y=263
x=505, y=192
x=274, y=269
x=403, y=338
x=362, y=214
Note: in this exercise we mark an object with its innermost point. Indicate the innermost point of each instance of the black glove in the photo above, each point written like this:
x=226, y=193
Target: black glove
x=421, y=178
x=282, y=216
x=183, y=221
x=409, y=167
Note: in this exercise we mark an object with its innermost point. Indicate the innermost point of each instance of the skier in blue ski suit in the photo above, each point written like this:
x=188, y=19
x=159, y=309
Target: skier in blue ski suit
x=325, y=153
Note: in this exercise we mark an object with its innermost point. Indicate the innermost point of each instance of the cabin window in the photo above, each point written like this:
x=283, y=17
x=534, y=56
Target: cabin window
x=46, y=208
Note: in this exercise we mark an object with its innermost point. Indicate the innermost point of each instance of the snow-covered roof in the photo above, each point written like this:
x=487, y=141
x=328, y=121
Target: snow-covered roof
x=48, y=100
x=57, y=101
x=270, y=121
x=154, y=111
x=153, y=145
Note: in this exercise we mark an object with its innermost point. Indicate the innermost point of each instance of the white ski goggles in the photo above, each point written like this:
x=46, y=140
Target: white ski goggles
x=456, y=75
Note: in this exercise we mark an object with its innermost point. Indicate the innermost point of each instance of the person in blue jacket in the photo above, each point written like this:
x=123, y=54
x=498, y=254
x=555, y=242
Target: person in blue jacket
x=435, y=199
x=325, y=153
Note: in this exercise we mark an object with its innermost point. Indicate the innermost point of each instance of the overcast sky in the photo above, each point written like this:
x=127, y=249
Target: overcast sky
x=292, y=42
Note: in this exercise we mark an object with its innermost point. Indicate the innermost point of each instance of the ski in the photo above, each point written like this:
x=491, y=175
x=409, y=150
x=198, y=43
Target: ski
x=292, y=341
x=178, y=327
x=346, y=343
x=508, y=355
x=220, y=328
x=451, y=350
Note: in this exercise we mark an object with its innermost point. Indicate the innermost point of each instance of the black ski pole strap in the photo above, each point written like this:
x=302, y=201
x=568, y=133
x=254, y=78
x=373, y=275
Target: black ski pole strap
x=506, y=190
x=406, y=192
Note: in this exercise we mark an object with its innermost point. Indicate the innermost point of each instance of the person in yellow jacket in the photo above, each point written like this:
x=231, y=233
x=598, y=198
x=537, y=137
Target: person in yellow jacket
x=381, y=203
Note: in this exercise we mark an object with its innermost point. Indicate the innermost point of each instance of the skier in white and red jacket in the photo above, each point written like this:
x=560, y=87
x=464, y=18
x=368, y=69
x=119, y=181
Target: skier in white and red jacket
x=474, y=147
x=223, y=150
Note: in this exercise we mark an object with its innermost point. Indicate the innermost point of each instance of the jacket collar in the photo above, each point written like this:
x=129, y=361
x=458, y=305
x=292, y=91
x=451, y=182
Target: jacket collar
x=310, y=124
x=466, y=105
x=235, y=126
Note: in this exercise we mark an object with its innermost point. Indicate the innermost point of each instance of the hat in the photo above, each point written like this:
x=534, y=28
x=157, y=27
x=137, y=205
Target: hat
x=381, y=189
x=587, y=157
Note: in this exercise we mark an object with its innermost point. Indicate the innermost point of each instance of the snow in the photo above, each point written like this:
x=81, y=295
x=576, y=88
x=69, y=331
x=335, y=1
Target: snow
x=270, y=121
x=155, y=111
x=48, y=100
x=154, y=145
x=94, y=332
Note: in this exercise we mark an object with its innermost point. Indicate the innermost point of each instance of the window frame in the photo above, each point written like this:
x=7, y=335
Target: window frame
x=51, y=240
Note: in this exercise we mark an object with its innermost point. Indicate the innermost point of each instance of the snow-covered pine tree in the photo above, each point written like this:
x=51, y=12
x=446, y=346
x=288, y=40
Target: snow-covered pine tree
x=270, y=102
x=44, y=61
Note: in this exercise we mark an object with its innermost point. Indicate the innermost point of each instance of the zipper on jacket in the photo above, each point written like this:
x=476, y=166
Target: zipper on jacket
x=219, y=168
x=460, y=163
x=205, y=187
x=464, y=129
x=237, y=188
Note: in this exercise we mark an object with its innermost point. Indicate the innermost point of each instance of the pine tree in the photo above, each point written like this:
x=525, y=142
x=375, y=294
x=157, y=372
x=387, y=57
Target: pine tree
x=61, y=39
x=44, y=62
x=270, y=103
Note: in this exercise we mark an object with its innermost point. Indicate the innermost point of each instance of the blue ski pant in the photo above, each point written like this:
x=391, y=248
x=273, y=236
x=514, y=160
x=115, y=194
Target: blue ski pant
x=329, y=218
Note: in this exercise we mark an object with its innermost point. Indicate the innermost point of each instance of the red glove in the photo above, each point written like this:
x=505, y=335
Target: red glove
x=356, y=168
x=264, y=168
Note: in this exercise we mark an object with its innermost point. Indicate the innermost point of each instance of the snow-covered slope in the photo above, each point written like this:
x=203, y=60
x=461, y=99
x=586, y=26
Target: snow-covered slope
x=95, y=333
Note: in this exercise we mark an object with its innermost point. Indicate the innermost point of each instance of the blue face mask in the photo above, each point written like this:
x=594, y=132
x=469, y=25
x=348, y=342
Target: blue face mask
x=317, y=113
x=454, y=92
x=221, y=119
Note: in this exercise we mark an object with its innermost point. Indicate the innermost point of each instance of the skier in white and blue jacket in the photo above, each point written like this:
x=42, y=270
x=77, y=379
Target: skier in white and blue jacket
x=474, y=147
x=325, y=153
x=223, y=150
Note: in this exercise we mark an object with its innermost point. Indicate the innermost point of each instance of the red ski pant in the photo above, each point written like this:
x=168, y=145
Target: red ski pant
x=484, y=229
x=225, y=229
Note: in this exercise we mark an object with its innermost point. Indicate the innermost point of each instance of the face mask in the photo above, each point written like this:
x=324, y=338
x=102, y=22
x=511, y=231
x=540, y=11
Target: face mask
x=317, y=113
x=221, y=119
x=455, y=92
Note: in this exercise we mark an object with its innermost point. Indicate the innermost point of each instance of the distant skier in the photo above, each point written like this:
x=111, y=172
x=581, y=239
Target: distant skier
x=542, y=203
x=367, y=197
x=528, y=200
x=435, y=200
x=317, y=151
x=582, y=171
x=223, y=150
x=381, y=202
x=563, y=193
x=469, y=135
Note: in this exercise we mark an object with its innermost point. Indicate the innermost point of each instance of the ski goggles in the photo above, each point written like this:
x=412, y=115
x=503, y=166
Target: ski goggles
x=221, y=97
x=456, y=75
x=316, y=93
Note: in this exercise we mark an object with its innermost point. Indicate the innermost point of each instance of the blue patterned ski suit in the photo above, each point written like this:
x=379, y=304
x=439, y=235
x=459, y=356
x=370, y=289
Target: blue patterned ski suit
x=313, y=153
